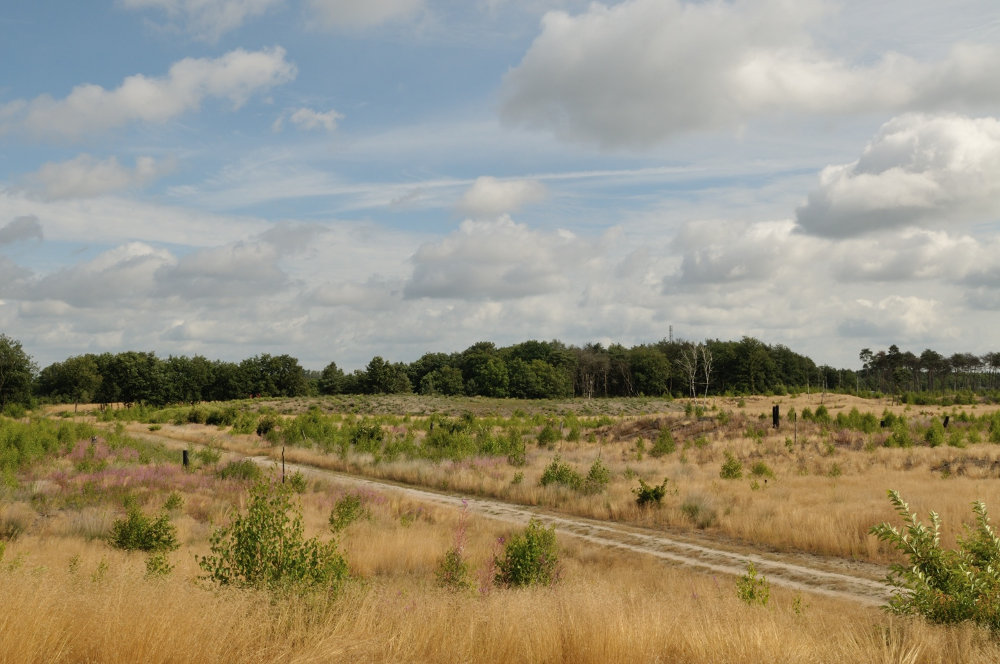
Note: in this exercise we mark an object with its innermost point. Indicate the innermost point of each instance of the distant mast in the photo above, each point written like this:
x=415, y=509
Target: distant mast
x=671, y=333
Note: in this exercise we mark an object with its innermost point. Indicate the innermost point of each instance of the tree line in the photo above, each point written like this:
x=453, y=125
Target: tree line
x=528, y=370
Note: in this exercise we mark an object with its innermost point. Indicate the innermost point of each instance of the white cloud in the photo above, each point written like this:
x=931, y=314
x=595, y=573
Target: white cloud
x=902, y=318
x=352, y=14
x=307, y=119
x=909, y=255
x=496, y=260
x=124, y=274
x=244, y=269
x=22, y=228
x=489, y=197
x=727, y=252
x=919, y=170
x=90, y=108
x=643, y=70
x=207, y=19
x=85, y=176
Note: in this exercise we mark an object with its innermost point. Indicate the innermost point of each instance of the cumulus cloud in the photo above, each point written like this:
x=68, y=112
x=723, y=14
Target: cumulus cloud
x=124, y=274
x=374, y=294
x=644, y=70
x=918, y=170
x=727, y=252
x=894, y=317
x=244, y=269
x=495, y=259
x=350, y=14
x=206, y=19
x=489, y=197
x=307, y=119
x=85, y=176
x=913, y=254
x=89, y=108
x=25, y=227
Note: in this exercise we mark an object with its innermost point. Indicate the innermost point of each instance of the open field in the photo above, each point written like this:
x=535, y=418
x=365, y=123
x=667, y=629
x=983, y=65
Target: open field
x=72, y=597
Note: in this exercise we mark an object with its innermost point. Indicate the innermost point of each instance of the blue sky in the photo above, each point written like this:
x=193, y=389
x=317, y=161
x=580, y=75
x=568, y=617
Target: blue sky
x=335, y=179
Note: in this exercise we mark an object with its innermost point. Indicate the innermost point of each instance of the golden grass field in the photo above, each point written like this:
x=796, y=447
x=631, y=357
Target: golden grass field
x=70, y=597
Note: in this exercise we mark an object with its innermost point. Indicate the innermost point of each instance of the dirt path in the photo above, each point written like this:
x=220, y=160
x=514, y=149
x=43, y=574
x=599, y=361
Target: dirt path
x=815, y=574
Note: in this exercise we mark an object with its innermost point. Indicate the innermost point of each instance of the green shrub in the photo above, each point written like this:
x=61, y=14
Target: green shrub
x=664, y=444
x=529, y=558
x=244, y=469
x=646, y=495
x=699, y=509
x=265, y=548
x=158, y=565
x=597, y=478
x=138, y=532
x=934, y=436
x=761, y=469
x=753, y=589
x=453, y=571
x=297, y=482
x=732, y=469
x=548, y=436
x=562, y=474
x=346, y=511
x=944, y=585
x=208, y=456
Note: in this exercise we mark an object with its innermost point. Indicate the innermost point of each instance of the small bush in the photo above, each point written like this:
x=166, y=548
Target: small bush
x=646, y=495
x=663, y=445
x=138, y=532
x=732, y=469
x=699, y=509
x=265, y=548
x=244, y=469
x=753, y=589
x=761, y=469
x=597, y=478
x=548, y=436
x=158, y=565
x=453, y=571
x=529, y=558
x=346, y=511
x=934, y=436
x=297, y=482
x=208, y=456
x=944, y=585
x=562, y=474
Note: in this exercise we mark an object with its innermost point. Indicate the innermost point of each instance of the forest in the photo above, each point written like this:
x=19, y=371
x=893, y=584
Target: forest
x=527, y=370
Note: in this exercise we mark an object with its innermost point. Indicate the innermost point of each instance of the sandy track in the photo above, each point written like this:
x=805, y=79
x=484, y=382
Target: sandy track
x=815, y=574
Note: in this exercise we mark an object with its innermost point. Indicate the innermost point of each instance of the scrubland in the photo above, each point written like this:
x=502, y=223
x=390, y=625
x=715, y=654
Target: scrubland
x=812, y=487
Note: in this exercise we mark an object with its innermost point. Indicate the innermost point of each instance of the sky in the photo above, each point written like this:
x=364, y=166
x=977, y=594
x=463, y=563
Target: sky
x=339, y=179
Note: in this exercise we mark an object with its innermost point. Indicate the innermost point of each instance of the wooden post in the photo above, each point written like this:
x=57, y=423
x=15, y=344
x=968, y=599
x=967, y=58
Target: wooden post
x=775, y=415
x=282, y=464
x=184, y=458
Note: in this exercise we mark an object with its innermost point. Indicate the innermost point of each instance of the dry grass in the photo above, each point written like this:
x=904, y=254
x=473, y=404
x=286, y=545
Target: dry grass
x=610, y=607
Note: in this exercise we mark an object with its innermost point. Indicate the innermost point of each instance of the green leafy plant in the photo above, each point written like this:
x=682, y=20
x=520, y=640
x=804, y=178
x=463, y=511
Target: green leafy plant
x=346, y=511
x=944, y=585
x=663, y=445
x=646, y=495
x=244, y=469
x=158, y=566
x=732, y=469
x=529, y=558
x=753, y=588
x=265, y=548
x=561, y=473
x=138, y=532
x=597, y=478
x=761, y=469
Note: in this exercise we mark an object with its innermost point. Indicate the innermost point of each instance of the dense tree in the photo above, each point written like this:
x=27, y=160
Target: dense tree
x=74, y=380
x=17, y=372
x=331, y=379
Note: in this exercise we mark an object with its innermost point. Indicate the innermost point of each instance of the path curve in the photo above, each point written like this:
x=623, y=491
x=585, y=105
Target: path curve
x=807, y=574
